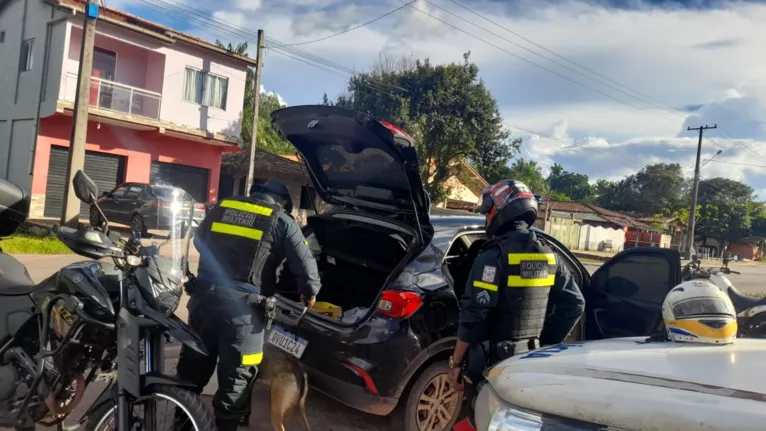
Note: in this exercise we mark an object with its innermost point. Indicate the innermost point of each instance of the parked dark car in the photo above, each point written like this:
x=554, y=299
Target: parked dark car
x=146, y=206
x=396, y=270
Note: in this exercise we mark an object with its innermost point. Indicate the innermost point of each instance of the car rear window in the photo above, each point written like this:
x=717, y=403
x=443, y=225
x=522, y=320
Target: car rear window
x=167, y=193
x=371, y=167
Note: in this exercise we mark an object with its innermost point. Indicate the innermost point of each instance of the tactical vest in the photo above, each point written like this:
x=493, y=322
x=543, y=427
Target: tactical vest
x=529, y=268
x=239, y=240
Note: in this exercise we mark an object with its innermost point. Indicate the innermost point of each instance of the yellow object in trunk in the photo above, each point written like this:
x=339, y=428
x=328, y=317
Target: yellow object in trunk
x=327, y=309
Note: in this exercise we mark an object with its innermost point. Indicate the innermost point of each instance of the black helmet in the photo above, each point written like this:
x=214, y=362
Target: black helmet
x=277, y=190
x=505, y=202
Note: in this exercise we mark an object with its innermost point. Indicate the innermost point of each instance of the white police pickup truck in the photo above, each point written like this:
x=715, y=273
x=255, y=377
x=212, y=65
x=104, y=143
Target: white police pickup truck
x=628, y=384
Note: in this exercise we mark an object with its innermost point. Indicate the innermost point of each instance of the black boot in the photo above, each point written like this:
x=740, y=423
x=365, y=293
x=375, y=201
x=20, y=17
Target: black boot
x=227, y=424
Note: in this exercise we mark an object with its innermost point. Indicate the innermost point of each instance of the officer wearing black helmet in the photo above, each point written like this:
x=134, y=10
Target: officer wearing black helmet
x=517, y=296
x=242, y=241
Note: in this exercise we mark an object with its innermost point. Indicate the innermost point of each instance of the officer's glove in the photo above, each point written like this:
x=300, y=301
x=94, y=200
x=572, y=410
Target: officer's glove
x=309, y=303
x=189, y=285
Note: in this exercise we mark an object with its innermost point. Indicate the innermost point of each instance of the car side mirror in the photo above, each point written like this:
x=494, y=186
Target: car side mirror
x=84, y=188
x=307, y=198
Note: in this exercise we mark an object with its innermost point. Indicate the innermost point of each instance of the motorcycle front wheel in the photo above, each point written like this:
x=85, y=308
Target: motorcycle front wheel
x=183, y=411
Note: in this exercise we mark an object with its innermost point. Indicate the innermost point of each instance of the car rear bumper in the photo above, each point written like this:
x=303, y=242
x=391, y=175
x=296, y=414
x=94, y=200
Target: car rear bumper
x=356, y=397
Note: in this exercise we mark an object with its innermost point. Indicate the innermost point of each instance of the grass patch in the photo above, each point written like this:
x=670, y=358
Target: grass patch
x=26, y=243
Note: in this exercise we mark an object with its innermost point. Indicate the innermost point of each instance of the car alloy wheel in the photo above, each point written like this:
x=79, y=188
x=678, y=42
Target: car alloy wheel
x=438, y=404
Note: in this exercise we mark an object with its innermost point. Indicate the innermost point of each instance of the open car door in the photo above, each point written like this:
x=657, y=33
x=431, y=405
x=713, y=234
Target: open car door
x=624, y=297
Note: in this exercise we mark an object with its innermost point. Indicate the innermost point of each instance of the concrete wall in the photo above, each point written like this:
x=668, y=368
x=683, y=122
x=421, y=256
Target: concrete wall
x=176, y=110
x=594, y=238
x=140, y=148
x=20, y=91
x=646, y=239
x=746, y=251
x=458, y=191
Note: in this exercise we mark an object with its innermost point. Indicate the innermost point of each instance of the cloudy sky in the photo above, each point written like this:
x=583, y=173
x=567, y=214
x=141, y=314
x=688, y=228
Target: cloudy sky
x=600, y=86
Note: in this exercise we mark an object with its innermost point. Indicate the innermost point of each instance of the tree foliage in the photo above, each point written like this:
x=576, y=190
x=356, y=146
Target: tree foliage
x=650, y=191
x=269, y=139
x=446, y=108
x=571, y=185
x=727, y=209
x=529, y=173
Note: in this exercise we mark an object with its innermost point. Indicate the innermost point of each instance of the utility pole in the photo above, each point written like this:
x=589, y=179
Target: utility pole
x=695, y=189
x=256, y=108
x=70, y=212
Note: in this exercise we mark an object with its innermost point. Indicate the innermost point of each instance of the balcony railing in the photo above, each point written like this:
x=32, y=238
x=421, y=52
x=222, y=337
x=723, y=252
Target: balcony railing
x=116, y=97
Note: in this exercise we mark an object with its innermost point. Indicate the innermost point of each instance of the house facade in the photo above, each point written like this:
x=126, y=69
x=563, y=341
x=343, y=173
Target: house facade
x=588, y=227
x=750, y=248
x=164, y=106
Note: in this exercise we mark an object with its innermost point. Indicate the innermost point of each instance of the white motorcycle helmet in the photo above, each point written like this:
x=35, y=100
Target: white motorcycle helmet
x=699, y=312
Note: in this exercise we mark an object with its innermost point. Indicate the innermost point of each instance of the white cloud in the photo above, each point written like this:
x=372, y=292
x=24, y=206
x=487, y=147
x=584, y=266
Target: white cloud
x=271, y=93
x=681, y=57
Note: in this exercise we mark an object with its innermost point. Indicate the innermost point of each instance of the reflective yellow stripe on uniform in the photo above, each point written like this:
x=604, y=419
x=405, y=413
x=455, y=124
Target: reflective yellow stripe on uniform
x=252, y=359
x=230, y=229
x=483, y=285
x=517, y=281
x=247, y=207
x=516, y=258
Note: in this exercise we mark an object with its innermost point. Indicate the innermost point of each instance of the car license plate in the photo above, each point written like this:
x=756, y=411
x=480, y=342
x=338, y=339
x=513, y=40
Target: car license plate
x=287, y=341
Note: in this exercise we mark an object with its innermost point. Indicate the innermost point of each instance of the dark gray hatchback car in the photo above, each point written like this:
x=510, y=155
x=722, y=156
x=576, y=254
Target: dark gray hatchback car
x=394, y=270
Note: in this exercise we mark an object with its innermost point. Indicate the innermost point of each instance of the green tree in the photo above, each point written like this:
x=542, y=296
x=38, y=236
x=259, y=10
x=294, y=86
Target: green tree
x=726, y=209
x=446, y=108
x=269, y=139
x=530, y=174
x=570, y=184
x=649, y=191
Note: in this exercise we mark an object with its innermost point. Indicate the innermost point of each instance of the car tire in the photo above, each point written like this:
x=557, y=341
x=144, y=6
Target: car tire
x=94, y=218
x=430, y=386
x=137, y=225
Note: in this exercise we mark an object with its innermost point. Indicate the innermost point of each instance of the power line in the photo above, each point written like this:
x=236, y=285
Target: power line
x=350, y=29
x=537, y=65
x=738, y=164
x=656, y=102
x=640, y=98
x=203, y=19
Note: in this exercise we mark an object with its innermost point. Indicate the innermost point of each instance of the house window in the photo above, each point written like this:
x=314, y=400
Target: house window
x=25, y=61
x=2, y=36
x=205, y=89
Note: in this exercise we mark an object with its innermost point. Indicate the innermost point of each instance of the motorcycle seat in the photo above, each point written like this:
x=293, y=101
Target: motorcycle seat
x=14, y=278
x=742, y=302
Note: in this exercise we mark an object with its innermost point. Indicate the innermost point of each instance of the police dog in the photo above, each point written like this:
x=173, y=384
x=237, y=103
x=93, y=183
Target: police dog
x=288, y=383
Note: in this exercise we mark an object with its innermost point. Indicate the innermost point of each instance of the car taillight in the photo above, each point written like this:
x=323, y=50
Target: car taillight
x=200, y=207
x=398, y=305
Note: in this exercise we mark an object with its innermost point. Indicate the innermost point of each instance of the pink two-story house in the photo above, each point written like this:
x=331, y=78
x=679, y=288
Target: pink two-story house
x=164, y=105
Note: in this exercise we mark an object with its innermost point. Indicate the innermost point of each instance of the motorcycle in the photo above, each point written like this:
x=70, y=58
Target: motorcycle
x=751, y=311
x=91, y=319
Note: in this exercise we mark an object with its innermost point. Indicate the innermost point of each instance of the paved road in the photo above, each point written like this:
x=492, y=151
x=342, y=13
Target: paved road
x=751, y=281
x=324, y=414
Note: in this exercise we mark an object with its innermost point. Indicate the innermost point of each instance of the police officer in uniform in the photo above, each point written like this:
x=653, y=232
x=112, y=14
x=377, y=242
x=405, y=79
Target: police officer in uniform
x=242, y=242
x=517, y=295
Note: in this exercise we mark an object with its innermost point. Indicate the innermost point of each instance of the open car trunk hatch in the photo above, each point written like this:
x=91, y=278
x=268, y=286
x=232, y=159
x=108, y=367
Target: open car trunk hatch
x=356, y=257
x=356, y=161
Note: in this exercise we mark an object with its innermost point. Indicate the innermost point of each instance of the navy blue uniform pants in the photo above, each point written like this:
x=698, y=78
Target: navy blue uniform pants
x=232, y=332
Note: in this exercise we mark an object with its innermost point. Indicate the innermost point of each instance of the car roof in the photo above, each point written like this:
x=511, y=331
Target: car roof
x=447, y=224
